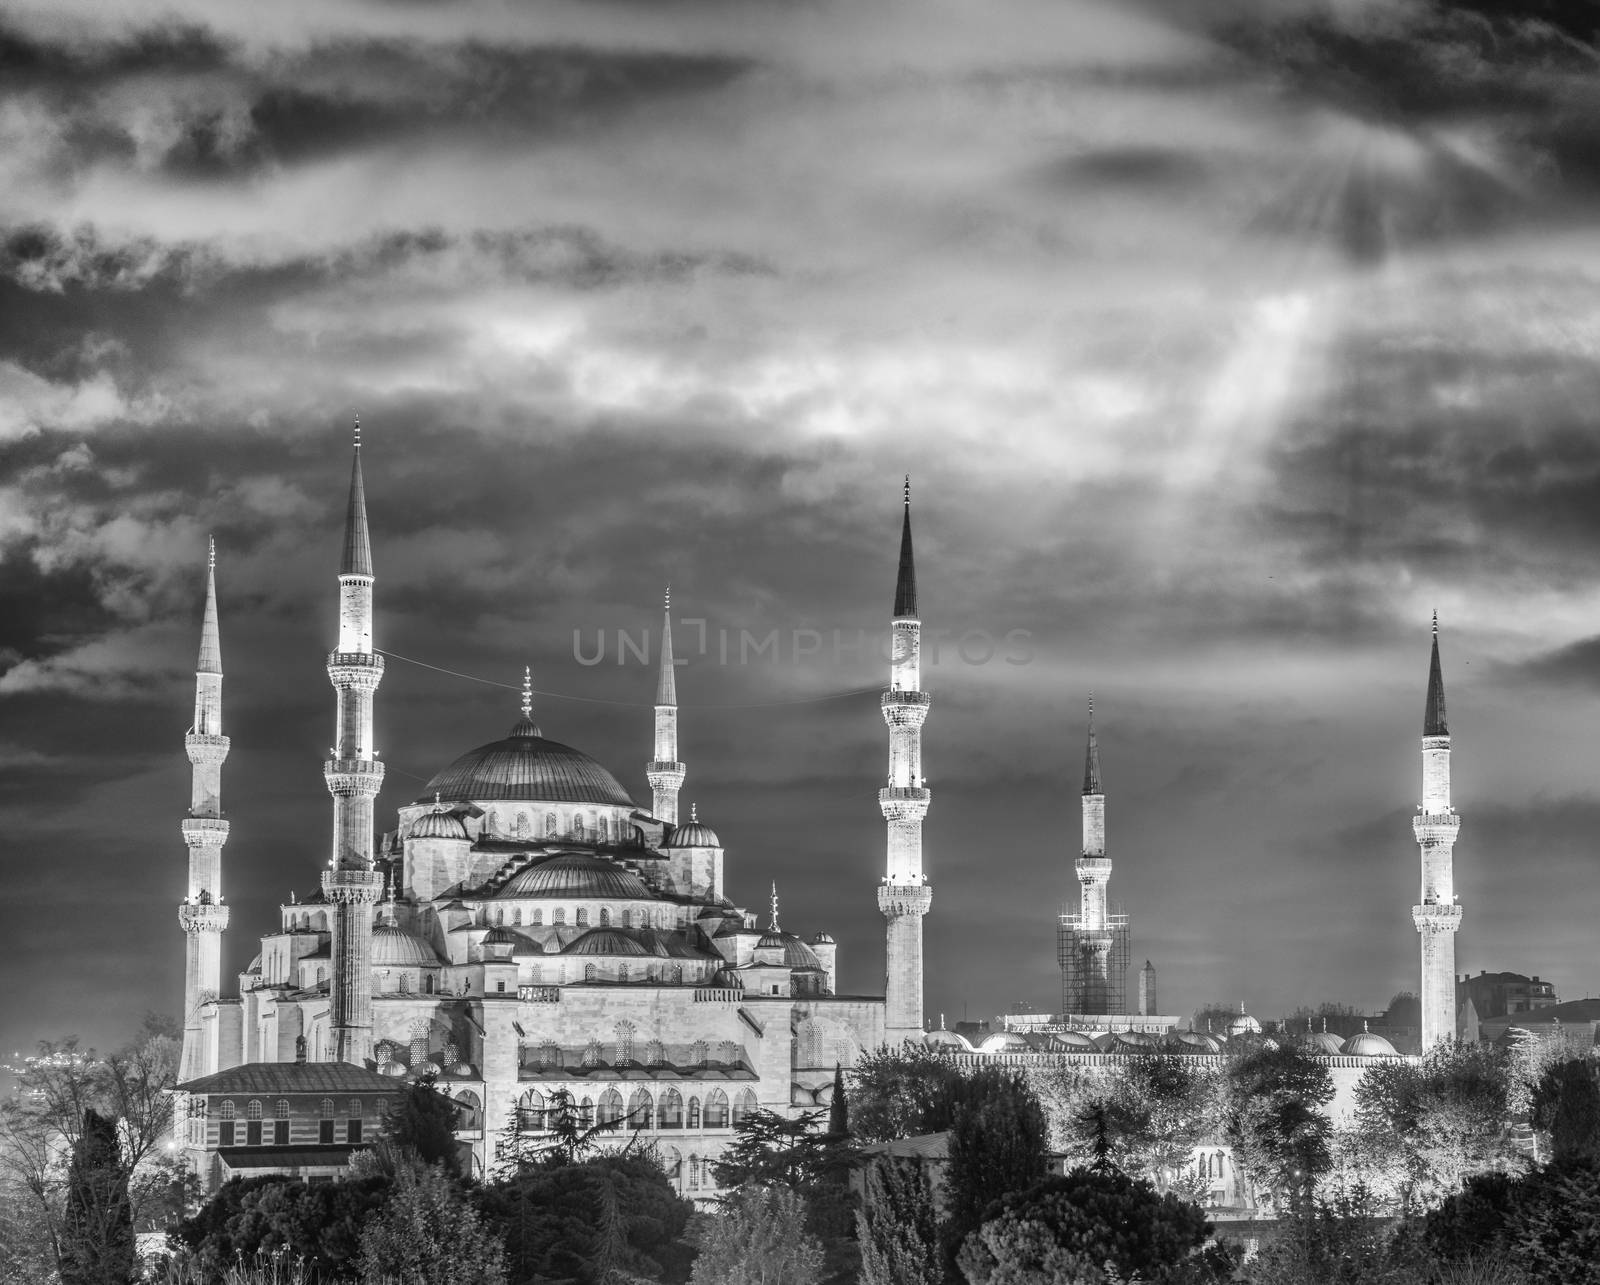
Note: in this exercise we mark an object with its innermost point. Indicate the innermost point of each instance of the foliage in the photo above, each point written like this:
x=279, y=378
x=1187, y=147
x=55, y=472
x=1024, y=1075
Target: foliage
x=1566, y=1105
x=1148, y=1119
x=1081, y=1228
x=997, y=1146
x=1341, y=1240
x=773, y=1149
x=1429, y=1125
x=838, y=1106
x=97, y=1223
x=42, y=1123
x=904, y=1092
x=758, y=1237
x=1555, y=1230
x=319, y=1223
x=1274, y=1121
x=1473, y=1222
x=427, y=1233
x=586, y=1221
x=897, y=1225
x=571, y=1138
x=423, y=1125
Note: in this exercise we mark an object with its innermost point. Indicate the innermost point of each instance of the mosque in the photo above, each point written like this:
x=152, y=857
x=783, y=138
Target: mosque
x=527, y=930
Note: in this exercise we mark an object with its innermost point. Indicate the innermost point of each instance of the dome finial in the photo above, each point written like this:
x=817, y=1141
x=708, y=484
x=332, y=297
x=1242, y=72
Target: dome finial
x=694, y=813
x=1436, y=622
x=436, y=804
x=358, y=430
x=773, y=926
x=527, y=691
x=908, y=490
x=666, y=598
x=211, y=553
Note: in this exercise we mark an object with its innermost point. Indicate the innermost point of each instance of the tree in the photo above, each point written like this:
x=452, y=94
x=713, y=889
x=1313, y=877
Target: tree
x=1555, y=1231
x=1148, y=1118
x=897, y=1226
x=838, y=1106
x=320, y=1224
x=1274, y=1121
x=1566, y=1105
x=423, y=1125
x=571, y=1138
x=97, y=1225
x=758, y=1237
x=773, y=1149
x=1076, y=1228
x=428, y=1234
x=903, y=1093
x=997, y=1146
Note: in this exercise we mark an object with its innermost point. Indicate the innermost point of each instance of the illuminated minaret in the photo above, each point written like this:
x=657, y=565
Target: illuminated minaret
x=1436, y=826
x=905, y=895
x=664, y=772
x=1094, y=873
x=354, y=776
x=201, y=913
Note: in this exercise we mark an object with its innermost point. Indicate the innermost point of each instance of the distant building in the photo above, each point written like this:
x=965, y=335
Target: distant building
x=1576, y=1023
x=1505, y=994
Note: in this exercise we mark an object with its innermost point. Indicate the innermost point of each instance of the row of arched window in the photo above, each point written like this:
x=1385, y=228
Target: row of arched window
x=582, y=917
x=549, y=1054
x=585, y=827
x=259, y=1130
x=644, y=1110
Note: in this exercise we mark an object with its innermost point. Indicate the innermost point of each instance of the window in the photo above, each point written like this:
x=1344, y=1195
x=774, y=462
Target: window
x=591, y=1053
x=671, y=1110
x=743, y=1105
x=583, y=916
x=516, y=916
x=499, y=916
x=641, y=1110
x=586, y=1112
x=500, y=987
x=404, y=984
x=352, y=1129
x=325, y=1124
x=604, y=830
x=469, y=1111
x=655, y=1053
x=694, y=1113
x=536, y=918
x=225, y=1129
x=355, y=1106
x=558, y=915
x=694, y=1172
x=549, y=1054
x=610, y=1107
x=590, y=972
x=624, y=1042
x=252, y=1127
x=730, y=1053
x=280, y=1123
x=717, y=1110
x=627, y=919
x=605, y=917
x=622, y=973
x=549, y=823
x=699, y=1054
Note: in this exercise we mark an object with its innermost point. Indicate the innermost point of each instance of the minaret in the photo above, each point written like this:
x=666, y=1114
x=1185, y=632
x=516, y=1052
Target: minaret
x=201, y=913
x=664, y=772
x=1094, y=873
x=354, y=776
x=1436, y=826
x=904, y=896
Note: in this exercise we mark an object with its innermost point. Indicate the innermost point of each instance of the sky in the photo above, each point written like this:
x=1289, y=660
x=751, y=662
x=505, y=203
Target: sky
x=1223, y=342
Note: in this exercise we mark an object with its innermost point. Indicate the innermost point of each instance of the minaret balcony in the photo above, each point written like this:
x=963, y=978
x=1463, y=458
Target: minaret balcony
x=361, y=669
x=904, y=708
x=202, y=916
x=205, y=832
x=1093, y=869
x=353, y=778
x=205, y=750
x=663, y=773
x=1434, y=917
x=896, y=900
x=1435, y=828
x=904, y=802
x=352, y=887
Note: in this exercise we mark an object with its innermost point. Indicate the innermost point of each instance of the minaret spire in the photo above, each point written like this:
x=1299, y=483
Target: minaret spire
x=354, y=776
x=772, y=925
x=1091, y=944
x=904, y=896
x=664, y=772
x=1091, y=757
x=201, y=914
x=1438, y=914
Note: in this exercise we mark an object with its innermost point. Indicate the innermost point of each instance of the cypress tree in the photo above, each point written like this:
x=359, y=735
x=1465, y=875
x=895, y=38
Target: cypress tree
x=897, y=1226
x=97, y=1224
x=838, y=1108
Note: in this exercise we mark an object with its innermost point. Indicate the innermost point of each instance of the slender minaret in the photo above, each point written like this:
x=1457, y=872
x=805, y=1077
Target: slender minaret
x=664, y=772
x=354, y=776
x=904, y=896
x=1436, y=826
x=201, y=913
x=1094, y=873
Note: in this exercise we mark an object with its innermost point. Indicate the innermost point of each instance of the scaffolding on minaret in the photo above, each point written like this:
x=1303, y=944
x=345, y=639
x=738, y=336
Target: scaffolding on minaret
x=1084, y=991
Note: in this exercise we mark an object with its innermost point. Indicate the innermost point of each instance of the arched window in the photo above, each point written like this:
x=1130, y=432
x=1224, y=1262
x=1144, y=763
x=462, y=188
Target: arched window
x=225, y=1129
x=558, y=915
x=583, y=916
x=694, y=1113
x=549, y=1054
x=641, y=1110
x=252, y=1127
x=499, y=916
x=730, y=1053
x=655, y=1053
x=469, y=1111
x=672, y=1162
x=700, y=1054
x=622, y=973
x=523, y=826
x=536, y=973
x=603, y=833
x=516, y=916
x=229, y=1110
x=671, y=1110
x=254, y=1111
x=624, y=1042
x=743, y=1105
x=549, y=823
x=536, y=917
x=531, y=1111
x=605, y=917
x=592, y=1053
x=716, y=1109
x=404, y=985
x=590, y=972
x=586, y=1111
x=610, y=1107
x=355, y=1106
x=627, y=918
x=280, y=1123
x=694, y=1172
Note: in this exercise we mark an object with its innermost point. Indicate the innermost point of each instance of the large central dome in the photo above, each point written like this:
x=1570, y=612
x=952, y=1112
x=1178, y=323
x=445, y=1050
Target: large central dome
x=526, y=766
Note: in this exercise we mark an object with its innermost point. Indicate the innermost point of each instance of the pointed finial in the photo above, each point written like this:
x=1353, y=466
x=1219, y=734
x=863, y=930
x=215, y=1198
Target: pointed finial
x=437, y=806
x=694, y=813
x=1436, y=622
x=774, y=927
x=1324, y=1025
x=527, y=691
x=358, y=430
x=666, y=598
x=1364, y=1027
x=211, y=553
x=908, y=490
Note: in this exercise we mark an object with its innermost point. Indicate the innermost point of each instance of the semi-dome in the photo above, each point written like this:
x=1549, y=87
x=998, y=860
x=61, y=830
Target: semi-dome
x=1076, y=1040
x=1005, y=1042
x=1322, y=1044
x=606, y=941
x=576, y=874
x=796, y=954
x=1369, y=1044
x=822, y=939
x=438, y=824
x=526, y=766
x=1195, y=1042
x=394, y=947
x=947, y=1039
x=498, y=936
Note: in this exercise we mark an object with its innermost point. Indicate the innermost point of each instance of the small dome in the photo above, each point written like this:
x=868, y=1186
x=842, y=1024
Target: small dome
x=576, y=874
x=1077, y=1041
x=823, y=939
x=1195, y=1042
x=391, y=1068
x=462, y=1070
x=796, y=954
x=1322, y=1044
x=942, y=1039
x=606, y=941
x=438, y=824
x=1244, y=1024
x=1141, y=1041
x=695, y=834
x=500, y=937
x=1105, y=1041
x=1369, y=1044
x=255, y=964
x=394, y=947
x=425, y=1068
x=1005, y=1042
